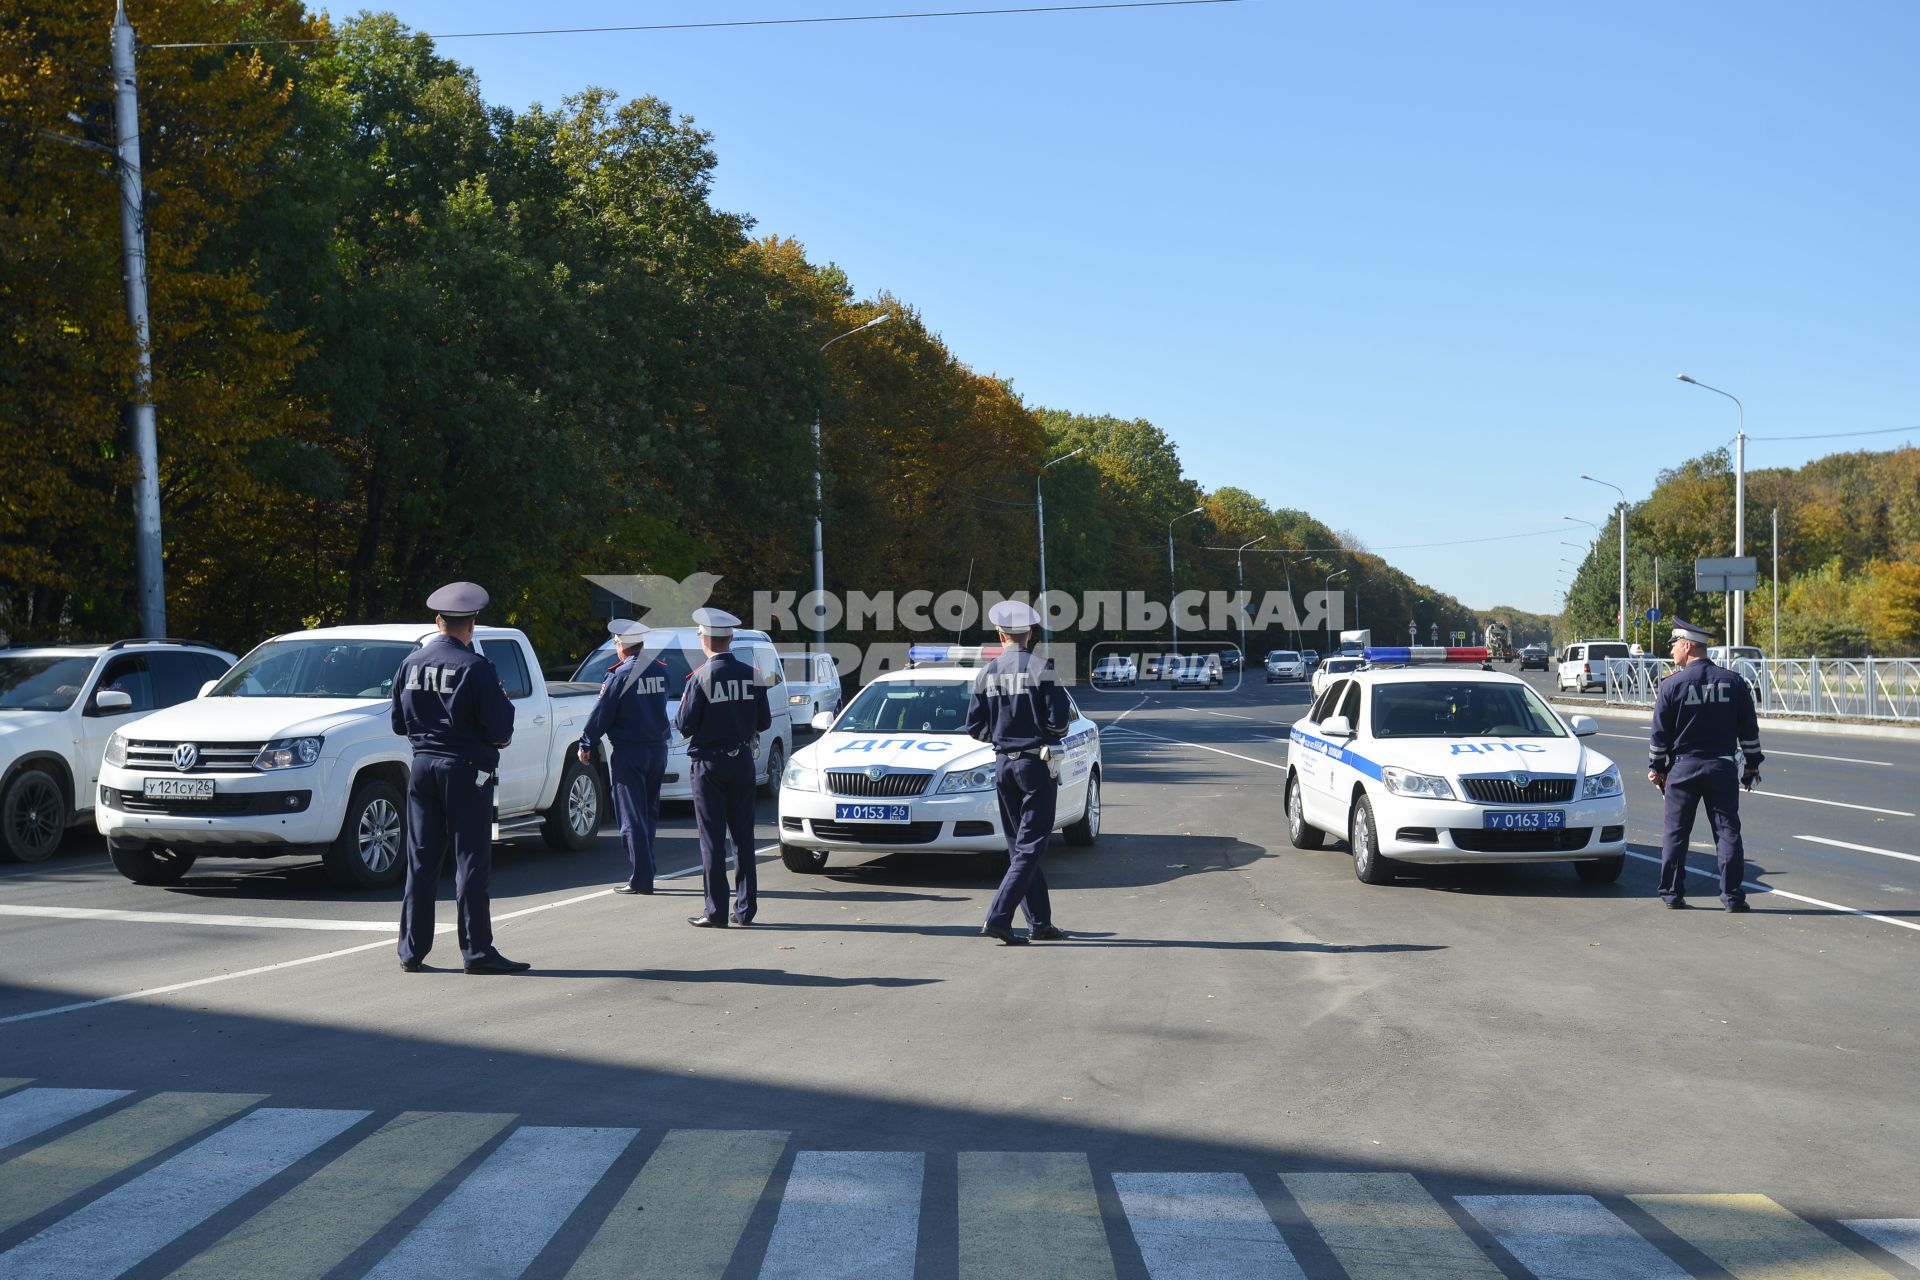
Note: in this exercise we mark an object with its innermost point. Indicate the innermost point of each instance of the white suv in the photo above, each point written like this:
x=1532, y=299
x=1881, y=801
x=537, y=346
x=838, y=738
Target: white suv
x=58, y=707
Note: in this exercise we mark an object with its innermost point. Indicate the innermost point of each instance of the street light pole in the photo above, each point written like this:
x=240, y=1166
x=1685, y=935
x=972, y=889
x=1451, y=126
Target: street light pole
x=1173, y=618
x=819, y=506
x=148, y=566
x=1623, y=549
x=1040, y=507
x=1291, y=604
x=1239, y=588
x=1326, y=589
x=1737, y=631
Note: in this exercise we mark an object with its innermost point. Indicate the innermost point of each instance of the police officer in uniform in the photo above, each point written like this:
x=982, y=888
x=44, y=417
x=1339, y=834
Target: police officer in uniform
x=1703, y=716
x=632, y=716
x=448, y=702
x=1020, y=708
x=722, y=713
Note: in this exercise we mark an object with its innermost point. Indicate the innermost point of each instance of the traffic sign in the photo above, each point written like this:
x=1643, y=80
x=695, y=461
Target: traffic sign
x=1726, y=573
x=1653, y=614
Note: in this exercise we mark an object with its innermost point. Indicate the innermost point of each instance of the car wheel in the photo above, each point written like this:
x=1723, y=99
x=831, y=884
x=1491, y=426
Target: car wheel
x=1299, y=831
x=776, y=769
x=806, y=861
x=1087, y=830
x=149, y=863
x=1601, y=870
x=33, y=816
x=1370, y=866
x=573, y=820
x=370, y=851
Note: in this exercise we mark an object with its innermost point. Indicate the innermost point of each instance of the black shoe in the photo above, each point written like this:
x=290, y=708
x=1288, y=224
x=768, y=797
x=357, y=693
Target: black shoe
x=627, y=888
x=706, y=922
x=1738, y=904
x=1677, y=904
x=740, y=920
x=1047, y=933
x=413, y=966
x=497, y=963
x=1008, y=938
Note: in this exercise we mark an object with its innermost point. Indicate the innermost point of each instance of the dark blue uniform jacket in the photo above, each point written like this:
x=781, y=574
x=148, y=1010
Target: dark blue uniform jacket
x=1706, y=712
x=722, y=708
x=1017, y=704
x=447, y=701
x=632, y=711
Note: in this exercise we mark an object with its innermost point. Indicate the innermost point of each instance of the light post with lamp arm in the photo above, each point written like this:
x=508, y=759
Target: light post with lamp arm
x=1737, y=628
x=1040, y=508
x=1173, y=618
x=1290, y=601
x=1326, y=589
x=1623, y=547
x=1239, y=588
x=819, y=506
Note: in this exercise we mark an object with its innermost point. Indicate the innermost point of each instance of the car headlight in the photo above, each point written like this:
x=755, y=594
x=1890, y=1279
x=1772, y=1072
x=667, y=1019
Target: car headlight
x=980, y=779
x=797, y=699
x=288, y=753
x=800, y=777
x=1403, y=783
x=1601, y=785
x=117, y=750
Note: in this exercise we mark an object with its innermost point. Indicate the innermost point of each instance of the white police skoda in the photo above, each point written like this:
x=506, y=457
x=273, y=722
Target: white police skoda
x=1419, y=764
x=897, y=772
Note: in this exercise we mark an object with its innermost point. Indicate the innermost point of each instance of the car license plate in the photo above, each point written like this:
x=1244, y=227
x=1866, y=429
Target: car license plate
x=871, y=812
x=177, y=788
x=1526, y=820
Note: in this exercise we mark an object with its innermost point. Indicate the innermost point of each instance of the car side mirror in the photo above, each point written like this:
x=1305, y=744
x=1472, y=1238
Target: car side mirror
x=111, y=702
x=822, y=722
x=1583, y=726
x=1337, y=727
x=206, y=688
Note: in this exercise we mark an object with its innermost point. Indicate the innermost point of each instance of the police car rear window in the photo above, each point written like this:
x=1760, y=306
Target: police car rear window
x=903, y=706
x=1461, y=709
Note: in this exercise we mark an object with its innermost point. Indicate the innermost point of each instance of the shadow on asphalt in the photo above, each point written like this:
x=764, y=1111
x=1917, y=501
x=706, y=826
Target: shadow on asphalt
x=747, y=977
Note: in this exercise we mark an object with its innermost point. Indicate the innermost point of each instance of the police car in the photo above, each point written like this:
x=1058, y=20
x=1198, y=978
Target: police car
x=1432, y=764
x=896, y=771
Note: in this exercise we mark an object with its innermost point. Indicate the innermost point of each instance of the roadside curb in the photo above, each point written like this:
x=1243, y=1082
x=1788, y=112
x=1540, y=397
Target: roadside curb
x=1841, y=728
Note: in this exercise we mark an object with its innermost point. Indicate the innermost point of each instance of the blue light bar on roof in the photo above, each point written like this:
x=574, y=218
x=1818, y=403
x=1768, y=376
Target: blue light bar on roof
x=921, y=655
x=1425, y=653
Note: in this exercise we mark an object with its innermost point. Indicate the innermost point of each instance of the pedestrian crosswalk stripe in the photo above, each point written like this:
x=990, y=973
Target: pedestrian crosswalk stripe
x=13, y=1082
x=1898, y=1236
x=319, y=1223
x=847, y=1215
x=38, y=1179
x=684, y=1214
x=1753, y=1238
x=1203, y=1226
x=1384, y=1226
x=499, y=1219
x=127, y=1225
x=1017, y=1207
x=1570, y=1238
x=32, y=1112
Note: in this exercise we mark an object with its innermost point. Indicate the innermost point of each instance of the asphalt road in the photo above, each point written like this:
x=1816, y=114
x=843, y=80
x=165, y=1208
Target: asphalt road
x=1245, y=1061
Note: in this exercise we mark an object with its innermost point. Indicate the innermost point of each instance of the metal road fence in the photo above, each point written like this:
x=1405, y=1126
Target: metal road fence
x=1852, y=688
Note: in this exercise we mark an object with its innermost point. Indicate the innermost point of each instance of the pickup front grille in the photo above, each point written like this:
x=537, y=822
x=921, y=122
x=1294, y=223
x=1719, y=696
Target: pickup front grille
x=231, y=805
x=887, y=784
x=214, y=757
x=1500, y=789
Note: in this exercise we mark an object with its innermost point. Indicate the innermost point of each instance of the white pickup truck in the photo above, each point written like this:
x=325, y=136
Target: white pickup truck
x=293, y=752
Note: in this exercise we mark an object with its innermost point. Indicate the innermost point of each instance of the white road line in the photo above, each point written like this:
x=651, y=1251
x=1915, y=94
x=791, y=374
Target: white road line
x=1144, y=699
x=1833, y=804
x=1569, y=1236
x=1751, y=887
x=697, y=868
x=1798, y=755
x=1861, y=848
x=184, y=917
x=129, y=1224
x=1898, y=1236
x=497, y=1221
x=32, y=1112
x=1199, y=747
x=1203, y=1226
x=1227, y=715
x=848, y=1214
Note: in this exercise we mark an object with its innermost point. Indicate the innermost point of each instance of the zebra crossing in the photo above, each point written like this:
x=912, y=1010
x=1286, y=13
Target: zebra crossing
x=98, y=1183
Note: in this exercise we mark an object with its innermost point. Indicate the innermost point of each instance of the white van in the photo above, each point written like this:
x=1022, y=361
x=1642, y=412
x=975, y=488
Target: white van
x=813, y=687
x=1583, y=665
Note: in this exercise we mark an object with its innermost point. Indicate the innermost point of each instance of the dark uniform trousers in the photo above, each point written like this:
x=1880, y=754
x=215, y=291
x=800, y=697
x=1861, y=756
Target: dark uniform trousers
x=636, y=772
x=446, y=805
x=1691, y=781
x=1028, y=795
x=723, y=806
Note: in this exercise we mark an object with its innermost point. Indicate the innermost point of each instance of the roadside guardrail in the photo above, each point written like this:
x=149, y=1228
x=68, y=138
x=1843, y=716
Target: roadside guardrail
x=1828, y=688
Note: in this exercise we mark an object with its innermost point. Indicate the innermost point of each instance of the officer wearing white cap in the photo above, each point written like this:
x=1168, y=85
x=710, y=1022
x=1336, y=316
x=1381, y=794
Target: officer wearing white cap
x=1020, y=708
x=632, y=716
x=448, y=702
x=1702, y=718
x=722, y=712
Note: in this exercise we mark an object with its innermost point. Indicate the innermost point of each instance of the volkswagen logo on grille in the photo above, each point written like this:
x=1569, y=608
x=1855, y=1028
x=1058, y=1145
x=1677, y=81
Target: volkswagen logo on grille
x=1521, y=780
x=876, y=773
x=185, y=756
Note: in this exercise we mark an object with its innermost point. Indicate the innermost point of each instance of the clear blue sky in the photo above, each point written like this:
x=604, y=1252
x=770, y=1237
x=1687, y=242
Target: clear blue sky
x=1411, y=267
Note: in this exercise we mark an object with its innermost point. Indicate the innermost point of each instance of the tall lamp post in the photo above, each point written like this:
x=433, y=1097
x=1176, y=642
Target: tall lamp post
x=1737, y=630
x=1623, y=548
x=1040, y=507
x=819, y=557
x=1173, y=619
x=1239, y=586
x=1290, y=600
x=1326, y=588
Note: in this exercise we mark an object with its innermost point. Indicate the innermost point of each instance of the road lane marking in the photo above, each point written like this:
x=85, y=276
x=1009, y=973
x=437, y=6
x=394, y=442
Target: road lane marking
x=1751, y=887
x=36, y=1181
x=318, y=1224
x=1570, y=1236
x=133, y=1222
x=184, y=917
x=1144, y=699
x=1384, y=1226
x=698, y=867
x=1203, y=1226
x=1797, y=755
x=496, y=1222
x=1898, y=1236
x=1030, y=1205
x=1227, y=715
x=847, y=1214
x=1861, y=848
x=1836, y=804
x=8, y=1083
x=1753, y=1238
x=684, y=1214
x=32, y=1112
x=1199, y=747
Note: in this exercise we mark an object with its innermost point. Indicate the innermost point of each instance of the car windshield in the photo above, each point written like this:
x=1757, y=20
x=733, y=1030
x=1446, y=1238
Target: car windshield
x=316, y=669
x=1461, y=709
x=908, y=706
x=1336, y=665
x=680, y=665
x=1283, y=655
x=48, y=682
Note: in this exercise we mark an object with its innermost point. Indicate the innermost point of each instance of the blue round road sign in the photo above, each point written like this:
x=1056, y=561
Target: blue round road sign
x=1653, y=615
